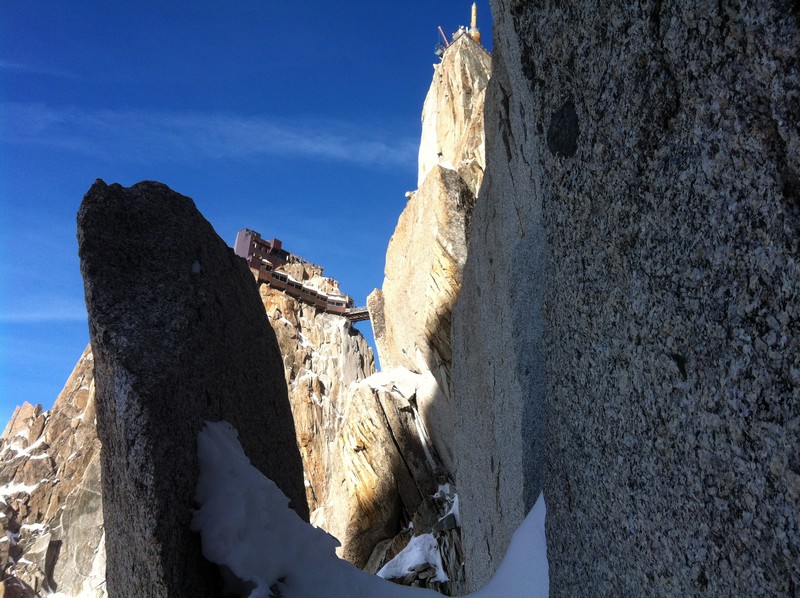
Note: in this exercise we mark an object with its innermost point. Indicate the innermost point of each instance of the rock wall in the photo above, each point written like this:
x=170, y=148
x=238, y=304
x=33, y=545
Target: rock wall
x=426, y=254
x=179, y=336
x=452, y=115
x=413, y=478
x=322, y=356
x=368, y=470
x=638, y=225
x=498, y=369
x=50, y=506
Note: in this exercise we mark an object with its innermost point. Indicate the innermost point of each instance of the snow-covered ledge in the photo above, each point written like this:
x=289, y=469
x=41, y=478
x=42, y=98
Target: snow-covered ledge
x=247, y=527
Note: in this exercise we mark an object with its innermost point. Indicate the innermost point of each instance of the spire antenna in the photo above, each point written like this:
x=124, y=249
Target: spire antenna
x=474, y=33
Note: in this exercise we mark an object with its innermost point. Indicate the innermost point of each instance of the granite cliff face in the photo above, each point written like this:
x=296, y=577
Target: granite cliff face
x=179, y=337
x=369, y=472
x=322, y=356
x=638, y=229
x=50, y=506
x=452, y=116
x=426, y=254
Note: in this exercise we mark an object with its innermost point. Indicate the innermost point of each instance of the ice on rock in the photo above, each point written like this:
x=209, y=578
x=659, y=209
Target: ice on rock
x=421, y=550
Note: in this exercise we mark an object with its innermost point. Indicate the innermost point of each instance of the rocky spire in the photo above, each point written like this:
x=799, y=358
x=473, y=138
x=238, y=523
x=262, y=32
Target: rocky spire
x=179, y=336
x=427, y=252
x=452, y=116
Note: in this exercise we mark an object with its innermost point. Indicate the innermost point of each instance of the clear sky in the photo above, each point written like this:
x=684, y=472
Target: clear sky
x=300, y=120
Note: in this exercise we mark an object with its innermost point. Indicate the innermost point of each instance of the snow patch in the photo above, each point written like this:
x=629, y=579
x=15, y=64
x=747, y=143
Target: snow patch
x=400, y=380
x=524, y=570
x=422, y=550
x=449, y=499
x=26, y=452
x=245, y=524
x=304, y=342
x=454, y=510
x=12, y=538
x=34, y=528
x=11, y=489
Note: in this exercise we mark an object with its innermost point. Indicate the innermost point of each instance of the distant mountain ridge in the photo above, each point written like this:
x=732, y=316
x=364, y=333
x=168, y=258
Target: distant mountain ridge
x=50, y=503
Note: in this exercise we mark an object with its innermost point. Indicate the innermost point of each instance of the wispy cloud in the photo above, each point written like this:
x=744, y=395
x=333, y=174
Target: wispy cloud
x=144, y=136
x=74, y=312
x=8, y=65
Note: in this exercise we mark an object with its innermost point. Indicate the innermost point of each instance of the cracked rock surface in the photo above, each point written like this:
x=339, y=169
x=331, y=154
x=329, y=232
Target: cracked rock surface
x=51, y=513
x=638, y=229
x=411, y=314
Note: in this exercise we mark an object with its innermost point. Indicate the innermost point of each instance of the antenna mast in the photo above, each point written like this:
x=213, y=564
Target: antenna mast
x=474, y=33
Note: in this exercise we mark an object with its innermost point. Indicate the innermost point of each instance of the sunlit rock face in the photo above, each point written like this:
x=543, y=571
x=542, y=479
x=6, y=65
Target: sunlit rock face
x=452, y=116
x=389, y=472
x=179, y=336
x=638, y=352
x=364, y=472
x=427, y=251
x=322, y=355
x=370, y=469
x=50, y=506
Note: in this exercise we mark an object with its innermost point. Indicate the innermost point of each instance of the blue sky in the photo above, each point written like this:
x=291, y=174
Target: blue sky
x=299, y=120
